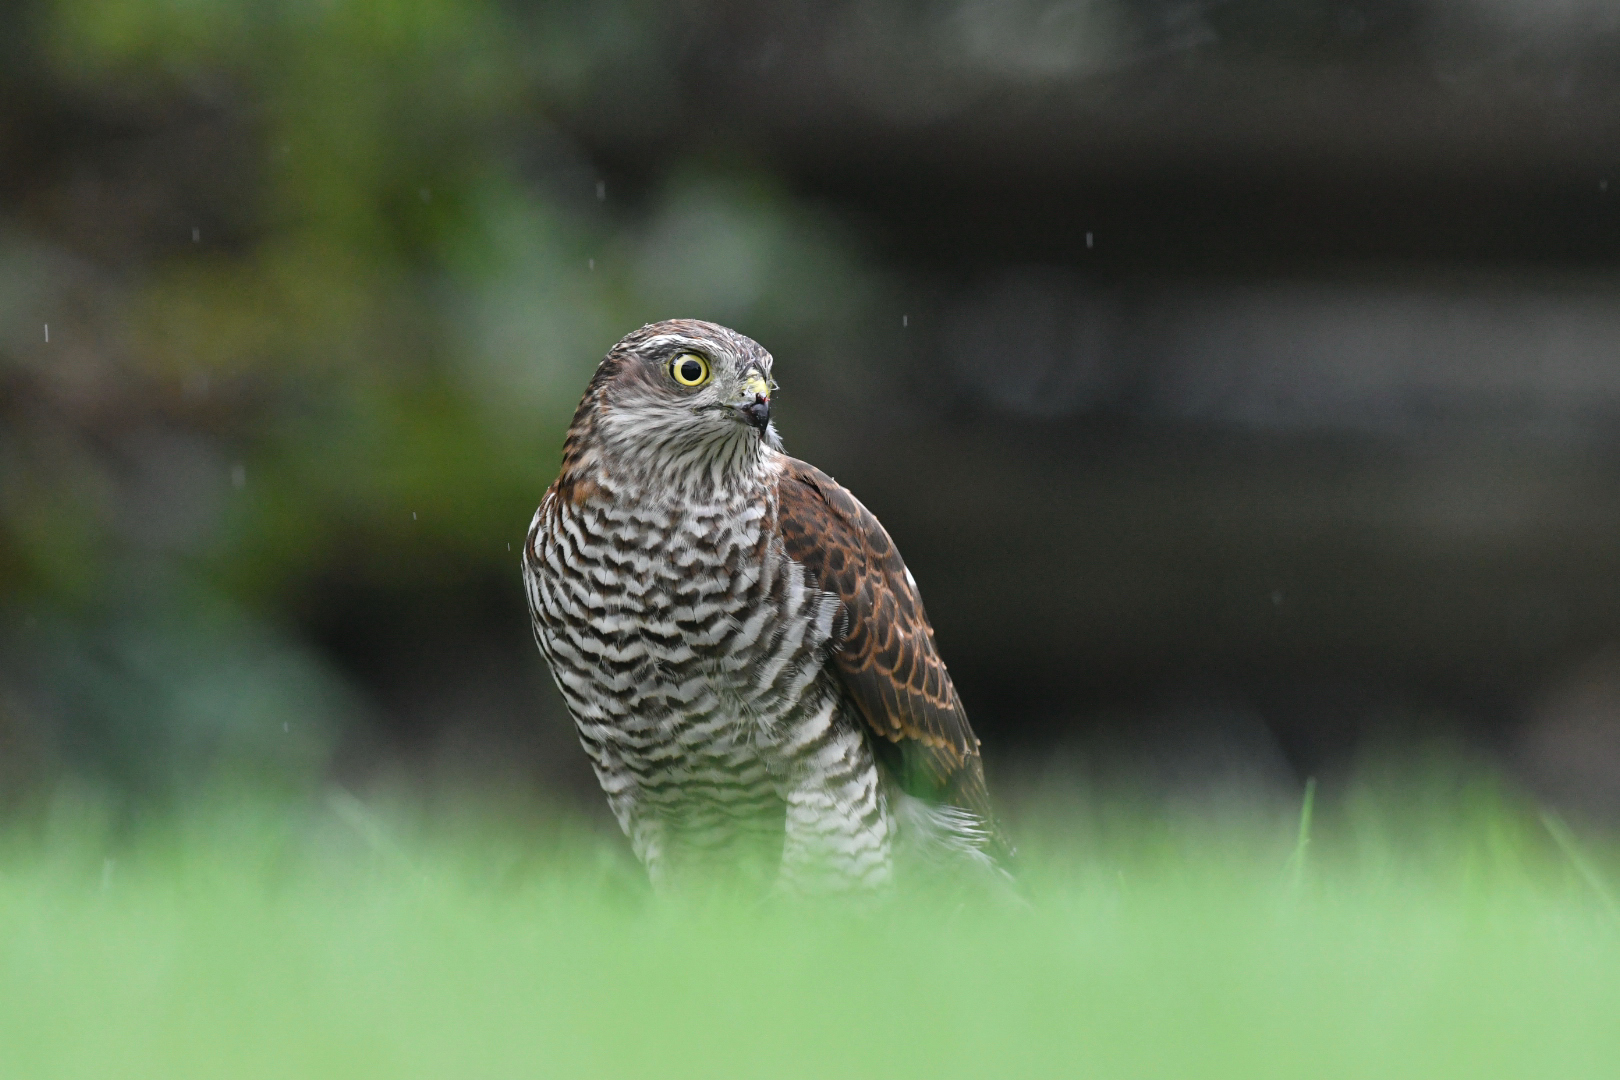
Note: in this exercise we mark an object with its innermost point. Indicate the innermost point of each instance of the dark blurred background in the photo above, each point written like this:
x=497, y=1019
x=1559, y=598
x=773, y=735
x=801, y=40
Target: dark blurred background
x=1239, y=377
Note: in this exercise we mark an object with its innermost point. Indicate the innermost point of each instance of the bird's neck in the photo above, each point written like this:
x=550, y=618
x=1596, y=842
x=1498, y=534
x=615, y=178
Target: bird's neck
x=718, y=471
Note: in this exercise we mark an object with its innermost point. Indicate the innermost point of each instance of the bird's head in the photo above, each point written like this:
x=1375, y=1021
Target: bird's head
x=679, y=395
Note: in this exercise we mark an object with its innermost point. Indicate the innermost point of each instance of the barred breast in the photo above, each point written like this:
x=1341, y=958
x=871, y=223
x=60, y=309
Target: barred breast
x=692, y=653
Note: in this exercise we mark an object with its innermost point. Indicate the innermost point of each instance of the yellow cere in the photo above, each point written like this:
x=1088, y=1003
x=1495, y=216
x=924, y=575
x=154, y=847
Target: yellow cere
x=756, y=384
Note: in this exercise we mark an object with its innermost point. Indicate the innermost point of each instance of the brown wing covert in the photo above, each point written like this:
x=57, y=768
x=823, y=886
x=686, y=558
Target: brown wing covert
x=885, y=645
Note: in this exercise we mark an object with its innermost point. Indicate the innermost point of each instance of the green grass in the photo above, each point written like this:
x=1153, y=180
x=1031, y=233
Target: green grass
x=1447, y=933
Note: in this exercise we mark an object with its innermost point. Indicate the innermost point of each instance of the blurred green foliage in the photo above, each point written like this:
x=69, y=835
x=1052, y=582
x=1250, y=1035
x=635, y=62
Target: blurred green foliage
x=321, y=328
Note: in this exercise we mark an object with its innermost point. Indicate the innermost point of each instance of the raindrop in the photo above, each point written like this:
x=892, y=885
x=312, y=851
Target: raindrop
x=238, y=476
x=196, y=235
x=107, y=873
x=1603, y=185
x=285, y=727
x=905, y=320
x=425, y=193
x=1276, y=598
x=601, y=190
x=47, y=333
x=413, y=515
x=591, y=263
x=1088, y=239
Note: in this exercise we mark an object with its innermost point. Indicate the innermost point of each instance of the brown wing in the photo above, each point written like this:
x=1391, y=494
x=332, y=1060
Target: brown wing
x=886, y=651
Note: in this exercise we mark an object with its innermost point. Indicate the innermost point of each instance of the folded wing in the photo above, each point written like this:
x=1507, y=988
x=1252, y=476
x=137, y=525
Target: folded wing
x=885, y=650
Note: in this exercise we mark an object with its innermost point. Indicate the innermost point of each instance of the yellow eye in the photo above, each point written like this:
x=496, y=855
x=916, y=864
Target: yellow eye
x=689, y=369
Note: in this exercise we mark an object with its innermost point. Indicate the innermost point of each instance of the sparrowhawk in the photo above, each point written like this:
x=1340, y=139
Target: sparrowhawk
x=744, y=653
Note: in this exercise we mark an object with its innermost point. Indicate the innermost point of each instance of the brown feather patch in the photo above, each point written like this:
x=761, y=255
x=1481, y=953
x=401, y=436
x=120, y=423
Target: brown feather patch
x=886, y=655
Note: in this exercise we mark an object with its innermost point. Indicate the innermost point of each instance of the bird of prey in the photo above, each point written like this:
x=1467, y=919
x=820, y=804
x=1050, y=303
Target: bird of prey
x=744, y=653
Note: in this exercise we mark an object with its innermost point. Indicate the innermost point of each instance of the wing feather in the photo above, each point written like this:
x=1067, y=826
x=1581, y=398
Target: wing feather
x=885, y=651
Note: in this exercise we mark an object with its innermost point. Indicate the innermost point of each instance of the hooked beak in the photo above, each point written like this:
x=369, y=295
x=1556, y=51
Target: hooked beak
x=753, y=403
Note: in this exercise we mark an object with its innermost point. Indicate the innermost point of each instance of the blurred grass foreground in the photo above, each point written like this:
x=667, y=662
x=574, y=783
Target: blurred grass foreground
x=1237, y=377
x=1452, y=937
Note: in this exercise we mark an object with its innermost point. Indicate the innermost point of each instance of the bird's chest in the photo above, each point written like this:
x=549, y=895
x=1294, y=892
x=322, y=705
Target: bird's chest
x=687, y=622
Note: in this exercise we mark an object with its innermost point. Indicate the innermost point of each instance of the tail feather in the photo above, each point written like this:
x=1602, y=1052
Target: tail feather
x=948, y=844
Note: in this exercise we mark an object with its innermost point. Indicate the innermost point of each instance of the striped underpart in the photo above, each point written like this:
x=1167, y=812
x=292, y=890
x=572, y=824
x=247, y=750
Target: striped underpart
x=693, y=655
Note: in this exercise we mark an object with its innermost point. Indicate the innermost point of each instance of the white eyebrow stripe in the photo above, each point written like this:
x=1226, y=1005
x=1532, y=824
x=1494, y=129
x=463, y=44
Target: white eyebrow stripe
x=670, y=339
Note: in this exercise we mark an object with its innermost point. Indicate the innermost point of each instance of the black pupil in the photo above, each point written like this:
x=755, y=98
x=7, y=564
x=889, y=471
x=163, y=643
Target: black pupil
x=691, y=371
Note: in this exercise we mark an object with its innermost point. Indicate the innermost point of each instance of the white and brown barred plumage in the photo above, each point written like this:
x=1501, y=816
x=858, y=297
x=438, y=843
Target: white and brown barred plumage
x=744, y=653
